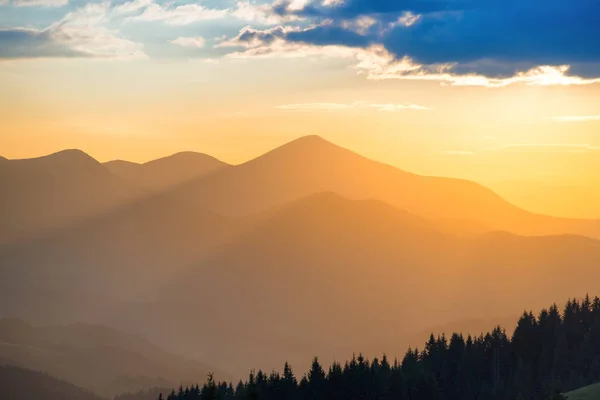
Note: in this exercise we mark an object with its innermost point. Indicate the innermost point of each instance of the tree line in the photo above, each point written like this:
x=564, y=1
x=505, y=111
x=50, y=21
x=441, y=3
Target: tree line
x=550, y=354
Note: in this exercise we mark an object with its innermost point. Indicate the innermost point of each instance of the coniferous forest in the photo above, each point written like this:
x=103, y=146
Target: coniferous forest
x=547, y=355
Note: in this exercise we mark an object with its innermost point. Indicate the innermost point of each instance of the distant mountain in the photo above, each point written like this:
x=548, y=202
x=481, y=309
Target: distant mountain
x=104, y=360
x=19, y=384
x=311, y=164
x=168, y=171
x=48, y=193
x=240, y=292
x=328, y=267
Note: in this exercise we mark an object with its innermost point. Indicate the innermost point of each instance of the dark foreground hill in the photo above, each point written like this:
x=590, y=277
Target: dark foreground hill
x=22, y=384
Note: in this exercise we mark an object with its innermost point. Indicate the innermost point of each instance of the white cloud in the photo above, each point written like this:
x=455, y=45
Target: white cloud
x=246, y=10
x=131, y=6
x=360, y=25
x=332, y=3
x=83, y=32
x=37, y=3
x=196, y=41
x=576, y=118
x=180, y=15
x=297, y=5
x=408, y=19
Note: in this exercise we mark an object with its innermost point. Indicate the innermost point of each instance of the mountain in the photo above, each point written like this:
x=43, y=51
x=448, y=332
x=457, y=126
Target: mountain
x=168, y=171
x=49, y=193
x=18, y=384
x=311, y=164
x=240, y=292
x=101, y=359
x=315, y=276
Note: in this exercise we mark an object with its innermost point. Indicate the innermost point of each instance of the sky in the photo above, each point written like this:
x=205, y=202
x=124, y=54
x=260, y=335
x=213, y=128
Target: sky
x=487, y=90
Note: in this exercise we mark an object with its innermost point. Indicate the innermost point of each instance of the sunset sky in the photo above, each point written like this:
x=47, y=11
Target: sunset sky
x=486, y=90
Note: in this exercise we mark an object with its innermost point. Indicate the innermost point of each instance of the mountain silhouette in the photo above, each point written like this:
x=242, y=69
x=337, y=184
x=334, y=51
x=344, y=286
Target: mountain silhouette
x=168, y=171
x=97, y=358
x=311, y=165
x=278, y=255
x=46, y=193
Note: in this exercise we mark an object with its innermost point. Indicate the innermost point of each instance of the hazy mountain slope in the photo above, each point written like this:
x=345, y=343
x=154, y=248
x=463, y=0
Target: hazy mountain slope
x=104, y=360
x=46, y=193
x=20, y=384
x=311, y=165
x=168, y=171
x=106, y=260
x=316, y=276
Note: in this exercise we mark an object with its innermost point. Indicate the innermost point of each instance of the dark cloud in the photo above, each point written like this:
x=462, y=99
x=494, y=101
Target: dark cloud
x=329, y=35
x=493, y=37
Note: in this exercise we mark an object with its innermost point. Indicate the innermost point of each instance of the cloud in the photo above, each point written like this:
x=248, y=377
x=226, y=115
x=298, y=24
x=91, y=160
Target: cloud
x=579, y=118
x=260, y=13
x=179, y=15
x=81, y=33
x=493, y=39
x=348, y=106
x=131, y=6
x=36, y=3
x=196, y=41
x=377, y=63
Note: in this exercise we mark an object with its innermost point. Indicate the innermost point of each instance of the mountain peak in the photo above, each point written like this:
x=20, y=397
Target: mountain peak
x=70, y=155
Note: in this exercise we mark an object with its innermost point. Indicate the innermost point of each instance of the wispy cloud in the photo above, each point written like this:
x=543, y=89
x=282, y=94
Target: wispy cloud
x=36, y=3
x=196, y=41
x=179, y=15
x=576, y=118
x=81, y=33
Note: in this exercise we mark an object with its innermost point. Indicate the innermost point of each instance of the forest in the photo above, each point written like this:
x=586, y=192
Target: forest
x=548, y=354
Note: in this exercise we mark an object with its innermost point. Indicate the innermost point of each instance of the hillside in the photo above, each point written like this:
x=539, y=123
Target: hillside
x=20, y=384
x=166, y=172
x=50, y=193
x=100, y=359
x=319, y=250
